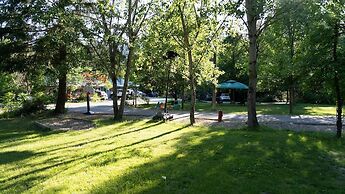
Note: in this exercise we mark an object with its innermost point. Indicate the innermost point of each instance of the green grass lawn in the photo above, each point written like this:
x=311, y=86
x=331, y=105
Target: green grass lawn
x=273, y=109
x=146, y=157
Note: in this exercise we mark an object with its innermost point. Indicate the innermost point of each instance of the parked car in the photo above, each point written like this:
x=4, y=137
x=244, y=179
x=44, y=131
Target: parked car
x=140, y=93
x=119, y=93
x=224, y=97
x=132, y=93
x=153, y=94
x=102, y=95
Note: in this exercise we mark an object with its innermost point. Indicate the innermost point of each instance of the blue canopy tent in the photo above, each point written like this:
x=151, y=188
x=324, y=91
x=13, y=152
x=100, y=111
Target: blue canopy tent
x=233, y=85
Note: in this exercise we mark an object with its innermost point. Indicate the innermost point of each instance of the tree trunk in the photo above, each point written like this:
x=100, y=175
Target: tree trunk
x=252, y=33
x=190, y=65
x=214, y=101
x=193, y=88
x=113, y=76
x=337, y=80
x=292, y=77
x=339, y=106
x=291, y=99
x=62, y=95
x=129, y=59
x=125, y=85
x=182, y=102
x=115, y=105
x=213, y=85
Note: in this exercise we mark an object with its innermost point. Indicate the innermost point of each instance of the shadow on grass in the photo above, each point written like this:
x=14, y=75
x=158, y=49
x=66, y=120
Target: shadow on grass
x=14, y=156
x=18, y=131
x=238, y=162
x=210, y=161
x=21, y=179
x=87, y=141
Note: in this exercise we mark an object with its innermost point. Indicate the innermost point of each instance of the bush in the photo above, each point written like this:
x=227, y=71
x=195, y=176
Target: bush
x=10, y=102
x=35, y=104
x=96, y=98
x=23, y=104
x=81, y=97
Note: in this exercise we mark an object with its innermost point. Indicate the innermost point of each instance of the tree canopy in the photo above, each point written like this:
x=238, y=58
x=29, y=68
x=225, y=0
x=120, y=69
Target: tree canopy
x=291, y=50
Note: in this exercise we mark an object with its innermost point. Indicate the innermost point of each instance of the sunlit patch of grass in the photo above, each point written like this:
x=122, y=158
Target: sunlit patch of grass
x=272, y=109
x=147, y=157
x=320, y=110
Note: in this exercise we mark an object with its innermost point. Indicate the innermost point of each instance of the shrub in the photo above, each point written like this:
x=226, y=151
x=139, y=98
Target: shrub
x=81, y=97
x=23, y=104
x=35, y=104
x=10, y=102
x=96, y=98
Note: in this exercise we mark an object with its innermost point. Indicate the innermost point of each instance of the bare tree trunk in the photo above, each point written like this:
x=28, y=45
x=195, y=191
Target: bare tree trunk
x=62, y=95
x=125, y=85
x=292, y=54
x=129, y=59
x=115, y=105
x=214, y=90
x=337, y=81
x=190, y=65
x=113, y=76
x=291, y=99
x=252, y=33
x=193, y=88
x=183, y=97
x=214, y=86
x=339, y=106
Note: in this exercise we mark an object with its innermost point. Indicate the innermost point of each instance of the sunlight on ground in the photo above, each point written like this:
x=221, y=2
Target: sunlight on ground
x=312, y=110
x=149, y=157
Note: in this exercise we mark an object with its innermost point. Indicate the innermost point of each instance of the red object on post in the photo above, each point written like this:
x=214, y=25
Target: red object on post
x=220, y=116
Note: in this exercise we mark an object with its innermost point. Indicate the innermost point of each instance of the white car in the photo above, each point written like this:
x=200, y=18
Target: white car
x=224, y=97
x=102, y=94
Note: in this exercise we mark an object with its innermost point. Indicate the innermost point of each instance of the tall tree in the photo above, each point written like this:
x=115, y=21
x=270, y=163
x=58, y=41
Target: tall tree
x=193, y=31
x=105, y=39
x=259, y=15
x=27, y=27
x=280, y=58
x=59, y=41
x=137, y=13
x=335, y=11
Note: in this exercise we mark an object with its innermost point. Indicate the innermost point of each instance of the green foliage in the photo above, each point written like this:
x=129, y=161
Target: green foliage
x=24, y=104
x=6, y=83
x=233, y=58
x=10, y=102
x=82, y=97
x=96, y=98
x=297, y=49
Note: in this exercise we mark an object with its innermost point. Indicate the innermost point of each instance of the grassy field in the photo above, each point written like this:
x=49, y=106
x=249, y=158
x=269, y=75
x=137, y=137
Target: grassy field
x=146, y=157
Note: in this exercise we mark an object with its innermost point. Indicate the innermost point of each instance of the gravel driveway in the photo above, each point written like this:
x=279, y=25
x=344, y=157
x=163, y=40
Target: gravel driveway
x=293, y=122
